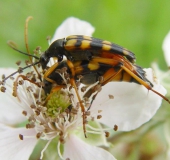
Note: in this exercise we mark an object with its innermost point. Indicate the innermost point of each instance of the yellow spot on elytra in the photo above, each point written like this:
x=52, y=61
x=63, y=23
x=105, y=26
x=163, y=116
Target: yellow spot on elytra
x=87, y=38
x=71, y=37
x=125, y=52
x=106, y=42
x=70, y=44
x=85, y=44
x=106, y=47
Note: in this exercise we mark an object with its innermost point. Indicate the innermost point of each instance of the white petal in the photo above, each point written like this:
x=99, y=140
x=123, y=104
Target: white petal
x=132, y=105
x=73, y=26
x=76, y=149
x=10, y=111
x=166, y=48
x=12, y=148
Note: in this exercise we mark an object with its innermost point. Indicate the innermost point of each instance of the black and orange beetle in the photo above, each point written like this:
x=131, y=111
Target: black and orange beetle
x=108, y=59
x=92, y=58
x=79, y=47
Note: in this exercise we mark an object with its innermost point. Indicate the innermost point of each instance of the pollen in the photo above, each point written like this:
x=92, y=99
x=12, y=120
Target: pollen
x=3, y=89
x=20, y=70
x=24, y=113
x=20, y=82
x=18, y=63
x=99, y=111
x=115, y=127
x=107, y=134
x=21, y=137
x=111, y=96
x=3, y=76
x=99, y=116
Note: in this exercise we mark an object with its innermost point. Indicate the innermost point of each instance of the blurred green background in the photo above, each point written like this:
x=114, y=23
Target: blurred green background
x=137, y=25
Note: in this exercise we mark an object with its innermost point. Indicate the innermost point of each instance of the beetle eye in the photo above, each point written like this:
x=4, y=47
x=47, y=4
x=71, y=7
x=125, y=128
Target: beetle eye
x=60, y=57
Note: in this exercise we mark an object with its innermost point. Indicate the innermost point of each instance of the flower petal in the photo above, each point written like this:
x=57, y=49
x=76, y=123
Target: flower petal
x=166, y=48
x=73, y=26
x=132, y=105
x=12, y=147
x=76, y=149
x=10, y=111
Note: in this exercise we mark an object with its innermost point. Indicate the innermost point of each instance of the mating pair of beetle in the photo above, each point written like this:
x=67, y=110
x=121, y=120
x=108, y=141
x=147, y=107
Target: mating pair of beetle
x=91, y=58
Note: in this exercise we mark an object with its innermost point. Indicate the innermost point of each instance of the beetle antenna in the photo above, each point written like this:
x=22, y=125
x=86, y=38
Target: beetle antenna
x=20, y=70
x=13, y=46
x=26, y=44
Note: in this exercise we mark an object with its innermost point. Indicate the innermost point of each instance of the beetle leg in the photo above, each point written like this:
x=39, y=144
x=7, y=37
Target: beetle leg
x=49, y=71
x=15, y=94
x=72, y=81
x=107, y=77
x=144, y=83
x=110, y=75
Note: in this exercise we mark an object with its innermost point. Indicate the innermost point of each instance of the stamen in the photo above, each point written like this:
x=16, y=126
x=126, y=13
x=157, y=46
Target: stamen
x=38, y=135
x=94, y=132
x=83, y=89
x=99, y=116
x=59, y=151
x=12, y=78
x=20, y=70
x=20, y=82
x=87, y=113
x=32, y=106
x=111, y=96
x=48, y=40
x=101, y=79
x=3, y=89
x=99, y=129
x=1, y=83
x=115, y=127
x=42, y=152
x=89, y=87
x=18, y=63
x=3, y=76
x=107, y=134
x=99, y=111
x=21, y=137
x=98, y=88
x=28, y=126
x=24, y=113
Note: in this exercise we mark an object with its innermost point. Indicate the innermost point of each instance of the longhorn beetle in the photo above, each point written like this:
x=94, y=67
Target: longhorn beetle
x=92, y=58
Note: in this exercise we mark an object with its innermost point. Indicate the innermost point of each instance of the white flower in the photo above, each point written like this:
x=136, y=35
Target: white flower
x=165, y=81
x=121, y=104
x=132, y=104
x=73, y=26
x=164, y=75
x=166, y=48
